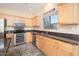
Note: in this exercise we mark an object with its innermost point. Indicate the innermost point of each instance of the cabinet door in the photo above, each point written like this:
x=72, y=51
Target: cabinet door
x=38, y=41
x=67, y=13
x=52, y=47
x=36, y=21
x=28, y=37
x=42, y=43
x=49, y=46
x=45, y=46
x=62, y=52
x=64, y=49
x=27, y=21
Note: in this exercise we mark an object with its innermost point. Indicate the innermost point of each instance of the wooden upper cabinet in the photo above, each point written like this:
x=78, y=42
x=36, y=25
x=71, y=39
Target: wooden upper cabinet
x=26, y=21
x=68, y=13
x=12, y=18
x=35, y=21
x=9, y=18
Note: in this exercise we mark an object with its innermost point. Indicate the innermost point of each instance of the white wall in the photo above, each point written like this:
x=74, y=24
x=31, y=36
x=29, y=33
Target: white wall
x=47, y=8
x=15, y=12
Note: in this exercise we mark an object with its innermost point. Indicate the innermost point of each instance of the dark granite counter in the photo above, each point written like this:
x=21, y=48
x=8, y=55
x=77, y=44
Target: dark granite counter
x=66, y=37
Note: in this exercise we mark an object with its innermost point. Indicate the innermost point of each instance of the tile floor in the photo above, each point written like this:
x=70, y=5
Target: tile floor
x=25, y=50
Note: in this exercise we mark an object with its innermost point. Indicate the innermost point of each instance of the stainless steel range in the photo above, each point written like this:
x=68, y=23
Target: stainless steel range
x=19, y=33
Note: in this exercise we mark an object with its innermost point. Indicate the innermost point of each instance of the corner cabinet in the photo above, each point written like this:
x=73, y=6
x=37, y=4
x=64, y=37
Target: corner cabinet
x=68, y=13
x=54, y=47
x=36, y=21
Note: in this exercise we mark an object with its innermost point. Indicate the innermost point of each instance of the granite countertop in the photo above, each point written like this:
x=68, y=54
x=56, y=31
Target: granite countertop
x=64, y=35
x=75, y=32
x=74, y=42
x=61, y=35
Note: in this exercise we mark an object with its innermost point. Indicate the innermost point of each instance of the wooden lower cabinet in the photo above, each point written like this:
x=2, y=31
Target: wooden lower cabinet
x=28, y=37
x=53, y=47
x=50, y=47
x=64, y=49
x=63, y=52
x=44, y=45
x=38, y=41
x=47, y=45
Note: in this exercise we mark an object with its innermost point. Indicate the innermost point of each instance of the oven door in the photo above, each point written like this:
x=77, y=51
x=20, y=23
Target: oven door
x=19, y=38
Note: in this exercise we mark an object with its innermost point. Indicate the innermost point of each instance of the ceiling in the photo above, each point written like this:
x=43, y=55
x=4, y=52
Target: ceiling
x=26, y=9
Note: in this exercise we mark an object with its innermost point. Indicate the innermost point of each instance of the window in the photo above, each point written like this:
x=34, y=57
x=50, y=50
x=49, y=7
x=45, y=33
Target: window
x=46, y=23
x=53, y=21
x=50, y=22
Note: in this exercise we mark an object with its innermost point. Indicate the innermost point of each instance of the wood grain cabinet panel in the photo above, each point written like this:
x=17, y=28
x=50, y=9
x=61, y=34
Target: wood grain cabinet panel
x=38, y=41
x=65, y=49
x=52, y=44
x=68, y=13
x=12, y=18
x=61, y=51
x=65, y=45
x=47, y=45
x=54, y=47
x=41, y=42
x=28, y=37
x=36, y=21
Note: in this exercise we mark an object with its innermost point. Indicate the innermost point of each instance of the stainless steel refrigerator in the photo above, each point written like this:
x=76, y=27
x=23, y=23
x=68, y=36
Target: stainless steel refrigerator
x=3, y=40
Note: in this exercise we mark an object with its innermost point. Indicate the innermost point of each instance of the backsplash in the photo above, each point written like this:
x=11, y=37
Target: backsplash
x=69, y=27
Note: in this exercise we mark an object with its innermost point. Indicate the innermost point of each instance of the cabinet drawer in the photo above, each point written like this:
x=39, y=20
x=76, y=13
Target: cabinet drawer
x=52, y=41
x=61, y=51
x=65, y=45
